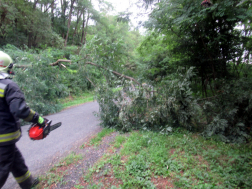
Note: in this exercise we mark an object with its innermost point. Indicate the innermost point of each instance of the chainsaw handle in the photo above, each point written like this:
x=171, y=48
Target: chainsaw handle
x=48, y=122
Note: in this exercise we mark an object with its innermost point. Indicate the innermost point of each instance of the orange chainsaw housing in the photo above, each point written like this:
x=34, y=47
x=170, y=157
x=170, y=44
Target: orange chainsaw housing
x=36, y=133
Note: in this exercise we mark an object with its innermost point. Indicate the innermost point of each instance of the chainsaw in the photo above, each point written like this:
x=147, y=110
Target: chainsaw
x=37, y=133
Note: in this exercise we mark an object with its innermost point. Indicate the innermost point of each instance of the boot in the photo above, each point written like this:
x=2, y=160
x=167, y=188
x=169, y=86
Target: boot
x=35, y=182
x=29, y=183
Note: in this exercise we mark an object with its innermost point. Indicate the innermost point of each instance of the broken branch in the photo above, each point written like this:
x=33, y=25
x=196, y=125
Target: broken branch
x=114, y=72
x=58, y=61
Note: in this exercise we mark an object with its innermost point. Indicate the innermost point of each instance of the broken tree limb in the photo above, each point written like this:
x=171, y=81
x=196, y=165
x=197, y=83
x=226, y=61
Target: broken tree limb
x=63, y=65
x=114, y=72
x=90, y=81
x=58, y=61
x=52, y=64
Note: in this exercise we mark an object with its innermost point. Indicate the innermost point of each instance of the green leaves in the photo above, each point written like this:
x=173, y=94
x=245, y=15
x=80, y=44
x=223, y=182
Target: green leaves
x=42, y=84
x=230, y=112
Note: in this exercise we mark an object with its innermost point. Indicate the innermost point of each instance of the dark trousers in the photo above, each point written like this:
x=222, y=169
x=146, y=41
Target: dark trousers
x=11, y=160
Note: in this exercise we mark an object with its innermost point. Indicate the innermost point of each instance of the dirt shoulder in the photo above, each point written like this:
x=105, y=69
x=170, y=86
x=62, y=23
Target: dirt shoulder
x=70, y=169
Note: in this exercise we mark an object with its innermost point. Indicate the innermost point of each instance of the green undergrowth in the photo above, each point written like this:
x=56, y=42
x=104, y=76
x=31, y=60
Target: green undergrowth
x=76, y=100
x=149, y=160
x=97, y=139
x=80, y=99
x=71, y=158
x=183, y=159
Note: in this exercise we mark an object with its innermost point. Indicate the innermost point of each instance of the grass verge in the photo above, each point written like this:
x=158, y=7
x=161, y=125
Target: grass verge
x=97, y=139
x=179, y=160
x=80, y=99
x=76, y=100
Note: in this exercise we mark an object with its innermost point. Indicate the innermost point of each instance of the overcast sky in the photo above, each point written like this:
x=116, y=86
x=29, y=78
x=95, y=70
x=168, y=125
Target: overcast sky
x=127, y=6
x=121, y=5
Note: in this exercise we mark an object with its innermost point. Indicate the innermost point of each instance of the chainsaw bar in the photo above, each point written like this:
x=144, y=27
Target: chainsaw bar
x=55, y=126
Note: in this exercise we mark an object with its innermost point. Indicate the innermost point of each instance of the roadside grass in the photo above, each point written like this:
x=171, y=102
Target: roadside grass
x=95, y=141
x=179, y=160
x=55, y=174
x=71, y=158
x=149, y=160
x=76, y=100
x=80, y=99
x=144, y=159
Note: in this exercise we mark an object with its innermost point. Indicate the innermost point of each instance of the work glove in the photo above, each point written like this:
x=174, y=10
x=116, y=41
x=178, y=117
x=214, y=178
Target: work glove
x=42, y=121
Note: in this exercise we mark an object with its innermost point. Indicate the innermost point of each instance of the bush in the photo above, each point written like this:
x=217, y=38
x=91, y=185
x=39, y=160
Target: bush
x=230, y=112
x=226, y=116
x=44, y=85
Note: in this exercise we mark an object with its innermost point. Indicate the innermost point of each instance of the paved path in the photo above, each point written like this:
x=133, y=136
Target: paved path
x=78, y=124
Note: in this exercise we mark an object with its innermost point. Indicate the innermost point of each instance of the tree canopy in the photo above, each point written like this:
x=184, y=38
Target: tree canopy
x=191, y=69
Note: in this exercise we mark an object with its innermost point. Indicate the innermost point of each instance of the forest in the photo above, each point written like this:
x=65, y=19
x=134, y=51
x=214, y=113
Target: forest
x=190, y=69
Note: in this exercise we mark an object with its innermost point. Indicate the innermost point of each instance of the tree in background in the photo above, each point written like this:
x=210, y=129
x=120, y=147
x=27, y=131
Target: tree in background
x=110, y=45
x=41, y=23
x=22, y=23
x=206, y=38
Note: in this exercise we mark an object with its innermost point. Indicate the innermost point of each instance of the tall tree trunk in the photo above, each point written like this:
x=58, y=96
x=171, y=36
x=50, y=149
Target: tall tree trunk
x=69, y=20
x=52, y=13
x=35, y=4
x=77, y=22
x=30, y=39
x=83, y=28
x=30, y=33
x=85, y=35
x=63, y=14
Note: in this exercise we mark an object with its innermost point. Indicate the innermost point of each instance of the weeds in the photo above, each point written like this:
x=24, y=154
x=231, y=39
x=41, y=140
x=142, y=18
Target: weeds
x=187, y=159
x=98, y=138
x=118, y=141
x=76, y=100
x=71, y=158
x=181, y=159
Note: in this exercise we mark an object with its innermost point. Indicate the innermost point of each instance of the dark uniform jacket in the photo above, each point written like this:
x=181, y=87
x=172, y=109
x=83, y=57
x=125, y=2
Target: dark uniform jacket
x=12, y=107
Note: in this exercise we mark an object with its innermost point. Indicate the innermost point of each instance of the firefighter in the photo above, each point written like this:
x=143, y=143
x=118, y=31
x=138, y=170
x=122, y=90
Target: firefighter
x=12, y=108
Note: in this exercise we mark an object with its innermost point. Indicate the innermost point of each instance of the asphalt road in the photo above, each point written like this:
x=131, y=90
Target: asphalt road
x=78, y=124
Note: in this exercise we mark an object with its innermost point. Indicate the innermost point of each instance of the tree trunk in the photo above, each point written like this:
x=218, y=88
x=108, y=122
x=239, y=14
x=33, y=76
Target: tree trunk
x=30, y=39
x=83, y=28
x=84, y=42
x=30, y=33
x=77, y=22
x=63, y=14
x=35, y=4
x=69, y=20
x=85, y=35
x=52, y=13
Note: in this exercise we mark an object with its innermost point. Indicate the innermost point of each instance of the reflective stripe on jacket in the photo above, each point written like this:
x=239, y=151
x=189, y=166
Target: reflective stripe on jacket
x=12, y=107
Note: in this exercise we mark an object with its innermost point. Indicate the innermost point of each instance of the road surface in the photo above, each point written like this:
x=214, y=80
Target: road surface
x=78, y=124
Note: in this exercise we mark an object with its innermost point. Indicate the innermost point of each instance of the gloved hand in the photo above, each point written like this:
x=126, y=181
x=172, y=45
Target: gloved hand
x=42, y=121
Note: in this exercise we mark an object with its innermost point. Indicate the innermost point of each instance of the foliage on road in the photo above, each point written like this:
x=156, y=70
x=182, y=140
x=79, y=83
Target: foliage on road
x=196, y=69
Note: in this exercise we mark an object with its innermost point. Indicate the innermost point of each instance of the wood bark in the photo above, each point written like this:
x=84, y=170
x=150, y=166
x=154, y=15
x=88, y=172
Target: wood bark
x=79, y=14
x=115, y=73
x=85, y=35
x=35, y=4
x=52, y=11
x=69, y=20
x=63, y=14
x=58, y=61
x=83, y=28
